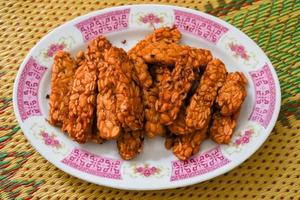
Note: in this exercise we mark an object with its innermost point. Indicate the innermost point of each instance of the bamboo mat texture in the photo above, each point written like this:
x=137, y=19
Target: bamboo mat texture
x=273, y=172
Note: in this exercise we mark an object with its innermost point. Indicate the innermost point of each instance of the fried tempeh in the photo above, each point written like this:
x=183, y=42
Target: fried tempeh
x=166, y=34
x=187, y=145
x=232, y=94
x=130, y=144
x=179, y=127
x=63, y=71
x=119, y=103
x=173, y=89
x=150, y=90
x=169, y=53
x=198, y=111
x=82, y=102
x=153, y=126
x=96, y=48
x=84, y=90
x=222, y=127
x=229, y=100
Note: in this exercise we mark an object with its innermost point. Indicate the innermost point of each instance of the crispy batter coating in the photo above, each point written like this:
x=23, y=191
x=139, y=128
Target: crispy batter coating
x=153, y=126
x=175, y=86
x=232, y=94
x=141, y=69
x=173, y=90
x=63, y=71
x=150, y=90
x=84, y=90
x=198, y=111
x=82, y=102
x=95, y=50
x=168, y=53
x=119, y=101
x=222, y=127
x=80, y=58
x=130, y=144
x=130, y=109
x=155, y=89
x=93, y=135
x=166, y=34
x=187, y=145
x=107, y=122
x=229, y=100
x=179, y=127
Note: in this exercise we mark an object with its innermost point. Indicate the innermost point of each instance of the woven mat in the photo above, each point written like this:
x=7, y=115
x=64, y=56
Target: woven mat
x=273, y=172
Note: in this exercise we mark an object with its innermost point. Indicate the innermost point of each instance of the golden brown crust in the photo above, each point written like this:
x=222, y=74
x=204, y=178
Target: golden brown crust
x=173, y=90
x=229, y=100
x=188, y=145
x=108, y=124
x=232, y=94
x=155, y=89
x=130, y=144
x=179, y=127
x=174, y=87
x=168, y=53
x=84, y=90
x=166, y=34
x=95, y=50
x=222, y=127
x=153, y=126
x=198, y=111
x=63, y=71
x=130, y=110
x=82, y=102
x=142, y=72
x=119, y=98
x=150, y=90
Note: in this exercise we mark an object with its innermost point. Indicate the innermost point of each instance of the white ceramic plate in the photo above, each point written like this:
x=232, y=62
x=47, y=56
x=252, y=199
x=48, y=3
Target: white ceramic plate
x=155, y=167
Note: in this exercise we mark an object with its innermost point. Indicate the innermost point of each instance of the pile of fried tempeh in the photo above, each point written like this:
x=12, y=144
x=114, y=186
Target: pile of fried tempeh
x=159, y=87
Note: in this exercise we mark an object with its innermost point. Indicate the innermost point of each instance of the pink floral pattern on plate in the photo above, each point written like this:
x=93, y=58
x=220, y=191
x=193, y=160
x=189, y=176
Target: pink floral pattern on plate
x=199, y=26
x=151, y=19
x=50, y=140
x=104, y=23
x=54, y=48
x=265, y=96
x=239, y=50
x=28, y=88
x=147, y=170
x=245, y=138
x=198, y=165
x=93, y=164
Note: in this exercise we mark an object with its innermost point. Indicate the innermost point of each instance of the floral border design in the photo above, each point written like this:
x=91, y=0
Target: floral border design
x=145, y=171
x=49, y=138
x=151, y=19
x=63, y=43
x=242, y=138
x=240, y=52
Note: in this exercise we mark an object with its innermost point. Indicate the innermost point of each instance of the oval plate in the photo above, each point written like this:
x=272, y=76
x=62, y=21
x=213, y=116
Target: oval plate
x=155, y=167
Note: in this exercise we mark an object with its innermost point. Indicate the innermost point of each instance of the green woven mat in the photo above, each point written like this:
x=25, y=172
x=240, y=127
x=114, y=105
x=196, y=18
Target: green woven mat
x=273, y=172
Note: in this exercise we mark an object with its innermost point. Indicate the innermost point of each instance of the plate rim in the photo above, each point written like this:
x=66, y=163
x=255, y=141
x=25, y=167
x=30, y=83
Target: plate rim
x=187, y=182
